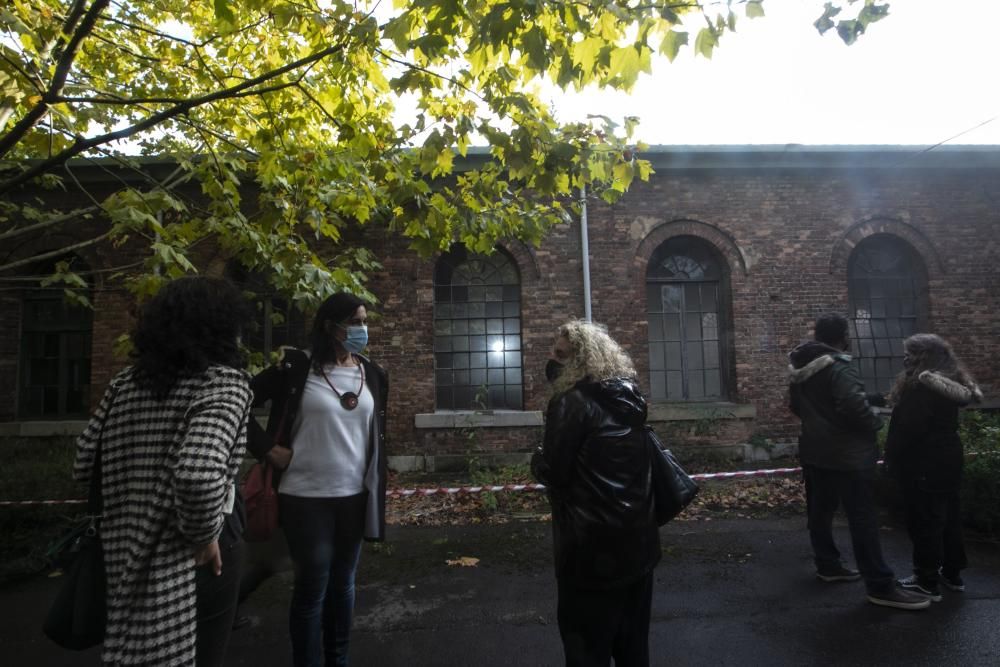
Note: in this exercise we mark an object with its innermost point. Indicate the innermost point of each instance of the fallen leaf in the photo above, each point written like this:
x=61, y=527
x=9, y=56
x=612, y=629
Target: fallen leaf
x=464, y=561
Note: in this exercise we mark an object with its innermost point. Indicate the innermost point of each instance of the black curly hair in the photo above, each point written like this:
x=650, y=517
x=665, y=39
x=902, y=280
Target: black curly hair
x=336, y=309
x=192, y=323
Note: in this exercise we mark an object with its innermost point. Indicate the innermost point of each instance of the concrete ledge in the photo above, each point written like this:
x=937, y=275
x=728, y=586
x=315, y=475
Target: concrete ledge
x=669, y=412
x=41, y=429
x=478, y=419
x=458, y=463
x=407, y=463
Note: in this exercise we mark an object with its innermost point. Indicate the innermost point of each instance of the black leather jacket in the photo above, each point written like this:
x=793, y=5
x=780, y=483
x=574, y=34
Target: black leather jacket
x=838, y=424
x=595, y=464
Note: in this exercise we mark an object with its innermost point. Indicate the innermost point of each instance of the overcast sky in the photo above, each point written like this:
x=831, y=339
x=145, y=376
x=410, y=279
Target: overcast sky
x=921, y=76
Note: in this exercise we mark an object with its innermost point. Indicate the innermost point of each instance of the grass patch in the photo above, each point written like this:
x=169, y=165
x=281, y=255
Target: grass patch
x=980, y=432
x=35, y=469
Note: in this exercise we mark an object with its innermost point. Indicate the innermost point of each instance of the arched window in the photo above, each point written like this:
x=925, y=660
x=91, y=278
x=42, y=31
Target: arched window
x=887, y=291
x=55, y=351
x=477, y=332
x=686, y=297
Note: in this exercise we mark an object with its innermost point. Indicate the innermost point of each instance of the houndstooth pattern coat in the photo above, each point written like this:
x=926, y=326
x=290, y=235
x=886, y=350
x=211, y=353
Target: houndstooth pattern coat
x=167, y=470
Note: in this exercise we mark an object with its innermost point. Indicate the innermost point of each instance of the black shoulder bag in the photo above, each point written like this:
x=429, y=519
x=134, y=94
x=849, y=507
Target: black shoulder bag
x=673, y=489
x=78, y=615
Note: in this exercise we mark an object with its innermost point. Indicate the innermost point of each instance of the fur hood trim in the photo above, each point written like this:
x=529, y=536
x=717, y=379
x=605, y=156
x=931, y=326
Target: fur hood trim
x=955, y=391
x=799, y=375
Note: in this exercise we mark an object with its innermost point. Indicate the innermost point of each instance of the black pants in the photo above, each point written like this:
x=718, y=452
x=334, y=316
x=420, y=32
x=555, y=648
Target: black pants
x=217, y=603
x=934, y=521
x=855, y=490
x=263, y=561
x=598, y=625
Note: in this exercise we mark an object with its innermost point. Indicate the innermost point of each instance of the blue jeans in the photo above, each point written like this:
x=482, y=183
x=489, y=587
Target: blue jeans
x=324, y=539
x=855, y=490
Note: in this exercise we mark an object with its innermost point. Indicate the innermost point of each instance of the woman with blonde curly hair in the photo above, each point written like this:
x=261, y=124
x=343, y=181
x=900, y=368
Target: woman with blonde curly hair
x=924, y=452
x=595, y=464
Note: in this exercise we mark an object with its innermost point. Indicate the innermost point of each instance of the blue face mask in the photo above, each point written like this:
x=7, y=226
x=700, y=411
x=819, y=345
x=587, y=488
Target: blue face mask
x=357, y=338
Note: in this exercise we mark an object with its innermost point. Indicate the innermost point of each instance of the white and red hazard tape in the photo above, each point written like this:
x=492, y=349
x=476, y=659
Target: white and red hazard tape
x=74, y=501
x=452, y=490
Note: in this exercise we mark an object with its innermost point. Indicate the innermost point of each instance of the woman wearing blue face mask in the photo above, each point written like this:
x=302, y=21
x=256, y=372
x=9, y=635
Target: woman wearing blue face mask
x=326, y=433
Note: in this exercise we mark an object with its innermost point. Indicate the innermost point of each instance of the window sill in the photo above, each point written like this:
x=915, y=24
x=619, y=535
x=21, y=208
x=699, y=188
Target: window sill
x=478, y=419
x=669, y=412
x=41, y=429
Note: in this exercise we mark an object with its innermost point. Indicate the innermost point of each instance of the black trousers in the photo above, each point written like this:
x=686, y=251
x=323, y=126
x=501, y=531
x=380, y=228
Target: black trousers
x=217, y=603
x=263, y=561
x=826, y=490
x=598, y=625
x=934, y=522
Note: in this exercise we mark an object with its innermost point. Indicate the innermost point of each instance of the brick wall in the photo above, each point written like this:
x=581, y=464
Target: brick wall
x=784, y=227
x=786, y=236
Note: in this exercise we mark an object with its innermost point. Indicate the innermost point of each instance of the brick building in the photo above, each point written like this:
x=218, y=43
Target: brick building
x=708, y=275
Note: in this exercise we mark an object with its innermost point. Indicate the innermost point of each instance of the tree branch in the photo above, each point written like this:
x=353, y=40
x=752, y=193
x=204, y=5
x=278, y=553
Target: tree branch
x=30, y=119
x=54, y=253
x=45, y=224
x=326, y=113
x=33, y=80
x=240, y=90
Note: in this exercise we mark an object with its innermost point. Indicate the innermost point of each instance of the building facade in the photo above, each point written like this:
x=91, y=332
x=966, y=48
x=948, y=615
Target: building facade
x=708, y=275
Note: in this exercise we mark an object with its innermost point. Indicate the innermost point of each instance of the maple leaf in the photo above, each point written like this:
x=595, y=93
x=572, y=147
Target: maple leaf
x=464, y=561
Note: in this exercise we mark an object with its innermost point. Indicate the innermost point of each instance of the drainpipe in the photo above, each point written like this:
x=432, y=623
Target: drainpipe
x=585, y=254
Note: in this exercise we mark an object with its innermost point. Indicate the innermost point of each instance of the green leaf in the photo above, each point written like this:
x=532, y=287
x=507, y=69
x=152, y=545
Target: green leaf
x=755, y=9
x=825, y=22
x=223, y=12
x=672, y=43
x=705, y=42
x=623, y=173
x=625, y=65
x=534, y=47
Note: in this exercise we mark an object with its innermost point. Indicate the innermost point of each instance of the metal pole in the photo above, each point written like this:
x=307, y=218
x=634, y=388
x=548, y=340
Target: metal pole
x=585, y=254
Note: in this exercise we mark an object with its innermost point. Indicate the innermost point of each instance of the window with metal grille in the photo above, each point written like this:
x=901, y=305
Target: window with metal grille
x=55, y=354
x=887, y=291
x=685, y=295
x=477, y=332
x=278, y=322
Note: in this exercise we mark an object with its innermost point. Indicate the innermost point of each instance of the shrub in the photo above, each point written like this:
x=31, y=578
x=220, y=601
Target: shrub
x=980, y=432
x=35, y=469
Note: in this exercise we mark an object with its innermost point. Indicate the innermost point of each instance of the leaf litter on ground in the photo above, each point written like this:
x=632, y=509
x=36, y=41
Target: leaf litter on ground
x=717, y=499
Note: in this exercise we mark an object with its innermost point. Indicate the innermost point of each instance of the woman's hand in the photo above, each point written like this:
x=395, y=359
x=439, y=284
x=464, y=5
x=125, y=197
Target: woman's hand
x=279, y=457
x=209, y=554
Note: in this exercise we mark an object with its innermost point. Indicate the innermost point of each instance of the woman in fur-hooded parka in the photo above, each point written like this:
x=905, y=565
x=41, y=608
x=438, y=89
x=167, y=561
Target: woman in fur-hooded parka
x=924, y=453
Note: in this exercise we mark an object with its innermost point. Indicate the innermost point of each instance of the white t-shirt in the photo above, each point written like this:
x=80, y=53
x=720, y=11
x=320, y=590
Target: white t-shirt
x=329, y=442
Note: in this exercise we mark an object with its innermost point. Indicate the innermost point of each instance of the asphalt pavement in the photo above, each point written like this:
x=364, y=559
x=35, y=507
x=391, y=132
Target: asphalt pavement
x=728, y=592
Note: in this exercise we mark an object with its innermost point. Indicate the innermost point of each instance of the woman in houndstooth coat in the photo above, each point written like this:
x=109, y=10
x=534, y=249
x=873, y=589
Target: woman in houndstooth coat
x=171, y=430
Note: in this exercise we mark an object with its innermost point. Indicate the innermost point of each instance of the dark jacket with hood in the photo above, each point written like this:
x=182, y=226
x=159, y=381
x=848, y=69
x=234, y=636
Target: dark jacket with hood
x=838, y=424
x=283, y=384
x=923, y=447
x=595, y=463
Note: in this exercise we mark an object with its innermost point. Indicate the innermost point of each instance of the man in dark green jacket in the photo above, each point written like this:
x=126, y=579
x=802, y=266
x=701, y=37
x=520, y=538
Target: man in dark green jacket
x=838, y=451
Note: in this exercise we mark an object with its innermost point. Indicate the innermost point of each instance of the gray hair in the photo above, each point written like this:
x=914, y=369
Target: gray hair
x=596, y=356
